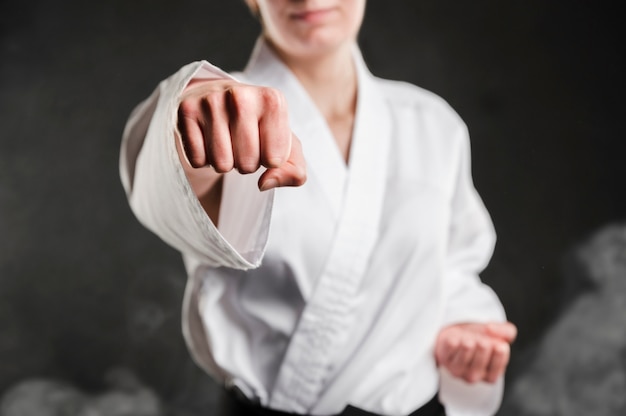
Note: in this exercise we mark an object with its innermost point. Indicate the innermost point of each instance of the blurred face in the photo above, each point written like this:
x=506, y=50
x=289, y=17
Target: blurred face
x=309, y=28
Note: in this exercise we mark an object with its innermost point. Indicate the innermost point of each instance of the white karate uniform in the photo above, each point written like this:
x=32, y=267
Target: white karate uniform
x=308, y=299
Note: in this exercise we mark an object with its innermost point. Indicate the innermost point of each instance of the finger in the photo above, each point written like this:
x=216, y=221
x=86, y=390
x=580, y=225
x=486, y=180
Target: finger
x=290, y=173
x=503, y=330
x=244, y=128
x=191, y=134
x=460, y=362
x=499, y=361
x=478, y=366
x=274, y=131
x=446, y=346
x=218, y=141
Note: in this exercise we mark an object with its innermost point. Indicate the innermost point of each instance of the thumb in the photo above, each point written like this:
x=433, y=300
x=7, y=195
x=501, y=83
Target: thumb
x=291, y=173
x=504, y=330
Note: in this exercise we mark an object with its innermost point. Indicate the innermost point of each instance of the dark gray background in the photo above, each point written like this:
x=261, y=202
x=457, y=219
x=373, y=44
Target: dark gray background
x=84, y=288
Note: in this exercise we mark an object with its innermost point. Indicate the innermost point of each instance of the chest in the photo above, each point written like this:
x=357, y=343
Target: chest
x=341, y=130
x=305, y=226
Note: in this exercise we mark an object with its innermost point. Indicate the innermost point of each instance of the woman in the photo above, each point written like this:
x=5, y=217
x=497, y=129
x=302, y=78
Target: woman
x=358, y=287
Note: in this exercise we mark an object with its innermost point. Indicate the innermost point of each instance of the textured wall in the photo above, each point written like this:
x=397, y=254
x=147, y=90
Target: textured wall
x=84, y=289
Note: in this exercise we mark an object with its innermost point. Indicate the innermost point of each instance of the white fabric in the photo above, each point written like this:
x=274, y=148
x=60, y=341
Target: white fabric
x=312, y=298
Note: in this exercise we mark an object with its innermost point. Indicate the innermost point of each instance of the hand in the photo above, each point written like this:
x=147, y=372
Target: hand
x=228, y=125
x=475, y=352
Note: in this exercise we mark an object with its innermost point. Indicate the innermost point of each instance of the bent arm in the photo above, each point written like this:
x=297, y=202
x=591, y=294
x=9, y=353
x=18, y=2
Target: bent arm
x=468, y=301
x=471, y=240
x=161, y=195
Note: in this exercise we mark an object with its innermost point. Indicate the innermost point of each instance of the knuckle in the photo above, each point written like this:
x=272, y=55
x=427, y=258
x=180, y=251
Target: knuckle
x=483, y=345
x=272, y=98
x=192, y=149
x=240, y=98
x=247, y=164
x=186, y=108
x=222, y=165
x=211, y=102
x=451, y=342
x=457, y=371
x=495, y=374
x=196, y=161
x=221, y=168
x=470, y=376
x=467, y=345
x=300, y=176
x=502, y=348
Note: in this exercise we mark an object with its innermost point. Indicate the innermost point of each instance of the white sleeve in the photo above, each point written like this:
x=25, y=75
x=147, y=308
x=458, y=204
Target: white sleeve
x=471, y=241
x=467, y=299
x=162, y=199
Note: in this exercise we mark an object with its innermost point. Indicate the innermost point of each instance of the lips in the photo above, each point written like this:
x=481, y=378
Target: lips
x=313, y=16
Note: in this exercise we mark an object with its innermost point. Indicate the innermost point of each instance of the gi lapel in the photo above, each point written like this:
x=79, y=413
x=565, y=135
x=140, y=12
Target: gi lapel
x=323, y=158
x=328, y=316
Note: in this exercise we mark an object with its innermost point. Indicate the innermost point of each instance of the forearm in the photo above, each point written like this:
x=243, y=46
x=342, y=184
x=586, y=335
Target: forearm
x=171, y=203
x=206, y=184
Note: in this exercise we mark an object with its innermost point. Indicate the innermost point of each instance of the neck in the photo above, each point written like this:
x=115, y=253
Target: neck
x=330, y=80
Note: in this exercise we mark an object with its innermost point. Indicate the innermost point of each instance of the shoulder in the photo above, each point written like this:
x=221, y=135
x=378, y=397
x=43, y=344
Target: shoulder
x=430, y=141
x=424, y=115
x=419, y=101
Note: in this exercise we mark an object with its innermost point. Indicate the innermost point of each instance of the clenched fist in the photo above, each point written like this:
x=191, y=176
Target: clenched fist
x=226, y=125
x=475, y=352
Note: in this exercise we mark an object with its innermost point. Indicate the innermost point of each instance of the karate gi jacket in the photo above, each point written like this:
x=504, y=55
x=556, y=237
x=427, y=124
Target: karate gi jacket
x=312, y=298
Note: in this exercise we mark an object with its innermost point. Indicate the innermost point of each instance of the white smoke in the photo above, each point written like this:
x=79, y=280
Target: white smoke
x=126, y=396
x=579, y=367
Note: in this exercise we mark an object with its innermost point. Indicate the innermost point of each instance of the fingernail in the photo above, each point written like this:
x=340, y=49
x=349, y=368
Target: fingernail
x=269, y=184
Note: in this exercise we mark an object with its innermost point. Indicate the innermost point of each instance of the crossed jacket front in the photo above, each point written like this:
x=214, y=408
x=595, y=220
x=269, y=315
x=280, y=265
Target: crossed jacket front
x=312, y=298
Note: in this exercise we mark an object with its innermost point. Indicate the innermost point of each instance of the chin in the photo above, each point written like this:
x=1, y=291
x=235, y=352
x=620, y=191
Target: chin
x=319, y=44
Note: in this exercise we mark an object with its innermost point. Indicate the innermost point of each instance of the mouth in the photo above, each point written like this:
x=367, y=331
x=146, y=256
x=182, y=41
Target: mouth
x=313, y=16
